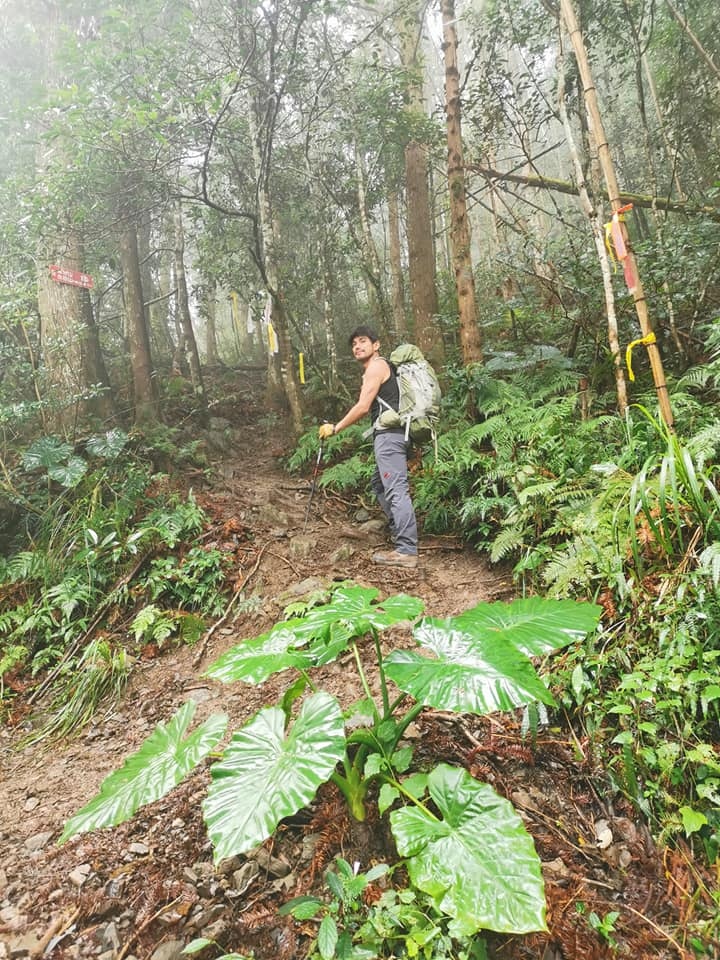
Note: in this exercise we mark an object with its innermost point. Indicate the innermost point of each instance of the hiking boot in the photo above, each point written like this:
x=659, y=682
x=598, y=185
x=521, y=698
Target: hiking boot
x=394, y=559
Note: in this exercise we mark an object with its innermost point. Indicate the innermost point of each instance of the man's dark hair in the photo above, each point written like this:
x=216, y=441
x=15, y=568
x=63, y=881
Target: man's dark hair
x=363, y=331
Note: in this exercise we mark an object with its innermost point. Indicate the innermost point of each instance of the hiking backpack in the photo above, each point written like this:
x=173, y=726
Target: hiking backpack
x=419, y=406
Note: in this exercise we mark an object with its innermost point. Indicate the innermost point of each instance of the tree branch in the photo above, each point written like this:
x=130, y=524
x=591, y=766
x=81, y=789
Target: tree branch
x=565, y=186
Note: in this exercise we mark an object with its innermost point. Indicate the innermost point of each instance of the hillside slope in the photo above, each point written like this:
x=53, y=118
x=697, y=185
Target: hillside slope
x=148, y=888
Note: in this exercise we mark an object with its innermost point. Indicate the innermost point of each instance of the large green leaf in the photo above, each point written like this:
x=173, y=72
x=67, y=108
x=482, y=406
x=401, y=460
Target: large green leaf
x=352, y=612
x=534, y=625
x=164, y=759
x=107, y=445
x=69, y=474
x=268, y=773
x=477, y=862
x=47, y=452
x=253, y=661
x=468, y=674
x=313, y=640
x=481, y=659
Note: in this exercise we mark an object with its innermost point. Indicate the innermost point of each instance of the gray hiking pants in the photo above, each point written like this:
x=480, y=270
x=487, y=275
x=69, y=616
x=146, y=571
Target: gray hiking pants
x=390, y=486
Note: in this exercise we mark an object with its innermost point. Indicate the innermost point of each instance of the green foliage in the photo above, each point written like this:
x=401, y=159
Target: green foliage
x=101, y=674
x=620, y=508
x=114, y=539
x=354, y=473
x=200, y=943
x=472, y=840
x=155, y=625
x=191, y=582
x=269, y=772
x=152, y=625
x=603, y=926
x=181, y=520
x=166, y=757
x=351, y=449
x=57, y=459
x=474, y=856
x=648, y=694
x=402, y=922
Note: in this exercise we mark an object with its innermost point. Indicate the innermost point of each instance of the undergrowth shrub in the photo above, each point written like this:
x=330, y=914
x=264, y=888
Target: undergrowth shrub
x=102, y=538
x=447, y=826
x=614, y=508
x=649, y=694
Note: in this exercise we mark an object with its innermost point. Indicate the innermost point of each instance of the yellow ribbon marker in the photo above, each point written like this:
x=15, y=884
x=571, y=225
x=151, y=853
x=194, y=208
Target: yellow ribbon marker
x=609, y=246
x=272, y=339
x=650, y=338
x=301, y=365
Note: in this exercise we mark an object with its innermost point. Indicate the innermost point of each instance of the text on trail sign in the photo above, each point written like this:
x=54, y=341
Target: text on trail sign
x=73, y=277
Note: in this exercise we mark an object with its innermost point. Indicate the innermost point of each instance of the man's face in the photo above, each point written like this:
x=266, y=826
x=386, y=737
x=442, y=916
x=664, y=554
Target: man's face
x=363, y=347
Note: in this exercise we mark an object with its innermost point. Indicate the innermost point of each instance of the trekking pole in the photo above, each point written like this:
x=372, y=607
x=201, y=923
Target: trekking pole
x=313, y=485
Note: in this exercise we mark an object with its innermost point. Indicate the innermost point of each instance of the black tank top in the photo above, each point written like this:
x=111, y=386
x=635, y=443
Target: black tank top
x=389, y=392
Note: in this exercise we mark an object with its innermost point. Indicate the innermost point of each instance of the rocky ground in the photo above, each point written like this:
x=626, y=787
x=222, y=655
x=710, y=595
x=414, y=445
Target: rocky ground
x=148, y=888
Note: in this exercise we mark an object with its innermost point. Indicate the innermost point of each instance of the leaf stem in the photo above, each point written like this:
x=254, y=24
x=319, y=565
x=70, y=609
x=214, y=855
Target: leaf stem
x=387, y=713
x=363, y=680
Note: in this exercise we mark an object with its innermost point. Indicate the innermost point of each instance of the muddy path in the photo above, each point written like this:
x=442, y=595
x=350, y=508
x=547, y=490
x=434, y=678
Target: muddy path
x=148, y=888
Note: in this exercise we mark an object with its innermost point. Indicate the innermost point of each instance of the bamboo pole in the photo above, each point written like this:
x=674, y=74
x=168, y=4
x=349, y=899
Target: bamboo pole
x=638, y=293
x=597, y=231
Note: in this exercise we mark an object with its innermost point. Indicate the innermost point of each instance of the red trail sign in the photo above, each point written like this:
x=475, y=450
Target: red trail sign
x=72, y=277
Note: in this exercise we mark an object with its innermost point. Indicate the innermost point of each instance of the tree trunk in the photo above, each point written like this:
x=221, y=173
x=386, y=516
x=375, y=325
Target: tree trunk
x=60, y=309
x=651, y=165
x=103, y=405
x=470, y=339
x=671, y=154
x=212, y=357
x=60, y=305
x=643, y=201
x=157, y=289
x=373, y=268
x=611, y=182
x=71, y=353
x=235, y=320
x=399, y=331
x=144, y=385
x=282, y=377
x=328, y=320
x=421, y=249
x=183, y=307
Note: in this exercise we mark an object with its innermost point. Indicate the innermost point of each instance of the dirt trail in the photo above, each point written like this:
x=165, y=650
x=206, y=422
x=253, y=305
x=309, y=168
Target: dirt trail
x=148, y=887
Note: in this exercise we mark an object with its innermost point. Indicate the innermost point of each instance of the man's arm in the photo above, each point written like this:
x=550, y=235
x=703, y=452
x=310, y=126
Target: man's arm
x=376, y=373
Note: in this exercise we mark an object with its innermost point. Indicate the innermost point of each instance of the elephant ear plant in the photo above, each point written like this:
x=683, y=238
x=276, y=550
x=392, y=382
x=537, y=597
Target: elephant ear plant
x=463, y=845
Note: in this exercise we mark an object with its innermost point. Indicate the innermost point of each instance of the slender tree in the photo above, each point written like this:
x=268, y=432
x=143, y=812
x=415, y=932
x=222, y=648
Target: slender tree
x=399, y=321
x=421, y=250
x=183, y=308
x=470, y=340
x=71, y=351
x=145, y=390
x=695, y=40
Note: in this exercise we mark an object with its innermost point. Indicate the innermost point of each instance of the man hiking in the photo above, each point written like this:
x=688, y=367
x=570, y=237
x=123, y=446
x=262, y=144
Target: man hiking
x=390, y=480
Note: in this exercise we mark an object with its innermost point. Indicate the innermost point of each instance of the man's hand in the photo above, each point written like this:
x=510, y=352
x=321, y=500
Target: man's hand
x=326, y=430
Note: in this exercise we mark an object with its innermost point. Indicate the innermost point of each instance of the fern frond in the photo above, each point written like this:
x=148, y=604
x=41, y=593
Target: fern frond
x=352, y=474
x=508, y=541
x=709, y=562
x=569, y=567
x=26, y=565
